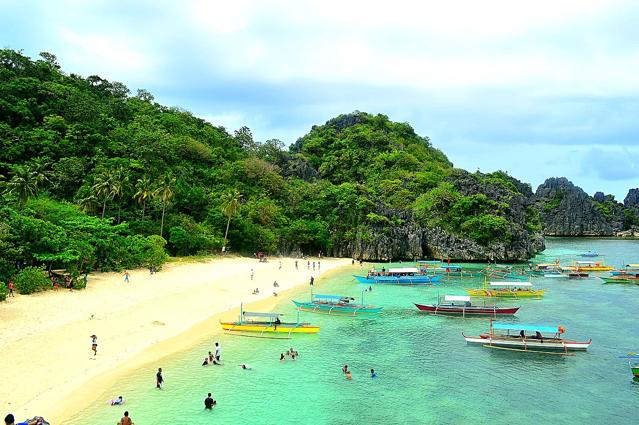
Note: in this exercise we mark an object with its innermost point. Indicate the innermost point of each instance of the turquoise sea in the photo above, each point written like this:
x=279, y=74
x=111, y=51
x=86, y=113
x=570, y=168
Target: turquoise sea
x=427, y=372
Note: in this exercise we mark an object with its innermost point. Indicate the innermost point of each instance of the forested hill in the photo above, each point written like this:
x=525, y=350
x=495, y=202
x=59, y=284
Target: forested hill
x=94, y=177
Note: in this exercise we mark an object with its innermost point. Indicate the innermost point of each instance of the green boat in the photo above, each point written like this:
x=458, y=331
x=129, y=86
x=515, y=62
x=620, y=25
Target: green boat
x=634, y=365
x=622, y=278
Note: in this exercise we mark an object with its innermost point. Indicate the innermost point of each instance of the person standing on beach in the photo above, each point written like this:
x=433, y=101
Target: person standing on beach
x=280, y=265
x=125, y=419
x=159, y=379
x=218, y=351
x=313, y=265
x=308, y=265
x=94, y=344
x=312, y=280
x=252, y=273
x=295, y=264
x=11, y=288
x=126, y=276
x=318, y=266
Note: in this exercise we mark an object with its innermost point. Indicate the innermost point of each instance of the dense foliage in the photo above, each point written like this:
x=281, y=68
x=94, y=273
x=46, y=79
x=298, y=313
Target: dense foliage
x=30, y=280
x=95, y=178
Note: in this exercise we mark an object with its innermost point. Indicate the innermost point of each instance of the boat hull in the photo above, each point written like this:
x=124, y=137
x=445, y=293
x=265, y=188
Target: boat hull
x=467, y=311
x=635, y=371
x=498, y=293
x=336, y=309
x=620, y=279
x=400, y=281
x=286, y=328
x=528, y=344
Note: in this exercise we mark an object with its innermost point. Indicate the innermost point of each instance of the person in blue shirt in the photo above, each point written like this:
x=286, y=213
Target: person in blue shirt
x=373, y=374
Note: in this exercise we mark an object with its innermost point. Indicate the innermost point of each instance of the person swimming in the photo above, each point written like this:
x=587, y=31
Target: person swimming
x=373, y=374
x=245, y=367
x=349, y=376
x=117, y=401
x=282, y=358
x=206, y=361
x=345, y=369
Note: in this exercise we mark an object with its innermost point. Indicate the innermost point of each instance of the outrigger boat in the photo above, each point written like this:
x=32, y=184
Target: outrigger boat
x=590, y=254
x=408, y=276
x=512, y=336
x=446, y=269
x=622, y=278
x=336, y=305
x=590, y=266
x=627, y=269
x=261, y=323
x=460, y=305
x=507, y=290
x=505, y=273
x=634, y=365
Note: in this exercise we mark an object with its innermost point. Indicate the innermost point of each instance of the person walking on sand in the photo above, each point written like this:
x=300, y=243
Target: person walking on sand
x=312, y=280
x=280, y=267
x=252, y=273
x=11, y=288
x=318, y=266
x=159, y=379
x=94, y=344
x=308, y=265
x=313, y=265
x=295, y=264
x=126, y=276
x=218, y=351
x=125, y=419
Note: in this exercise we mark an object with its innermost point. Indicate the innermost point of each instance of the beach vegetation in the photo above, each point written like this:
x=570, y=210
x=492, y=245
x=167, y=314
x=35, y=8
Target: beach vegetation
x=31, y=279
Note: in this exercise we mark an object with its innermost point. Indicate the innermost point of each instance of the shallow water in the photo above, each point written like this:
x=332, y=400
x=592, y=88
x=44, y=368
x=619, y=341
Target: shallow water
x=427, y=373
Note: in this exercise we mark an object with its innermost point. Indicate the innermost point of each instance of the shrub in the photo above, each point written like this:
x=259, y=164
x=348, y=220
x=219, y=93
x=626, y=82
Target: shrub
x=30, y=280
x=4, y=291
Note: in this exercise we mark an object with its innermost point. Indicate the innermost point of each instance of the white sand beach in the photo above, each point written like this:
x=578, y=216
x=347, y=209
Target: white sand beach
x=47, y=365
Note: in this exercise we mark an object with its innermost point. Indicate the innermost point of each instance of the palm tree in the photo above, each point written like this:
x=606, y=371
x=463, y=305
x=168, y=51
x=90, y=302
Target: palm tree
x=103, y=188
x=88, y=204
x=165, y=193
x=25, y=182
x=119, y=185
x=230, y=205
x=143, y=194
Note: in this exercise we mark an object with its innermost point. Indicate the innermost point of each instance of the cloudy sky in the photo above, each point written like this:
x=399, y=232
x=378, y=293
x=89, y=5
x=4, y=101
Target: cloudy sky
x=538, y=89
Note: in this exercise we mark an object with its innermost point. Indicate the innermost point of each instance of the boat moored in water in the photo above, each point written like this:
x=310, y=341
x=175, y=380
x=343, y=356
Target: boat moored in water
x=590, y=266
x=632, y=278
x=633, y=363
x=261, y=323
x=507, y=290
x=460, y=305
x=335, y=305
x=407, y=276
x=512, y=336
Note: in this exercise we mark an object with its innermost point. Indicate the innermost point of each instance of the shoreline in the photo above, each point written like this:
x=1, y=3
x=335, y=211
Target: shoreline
x=147, y=328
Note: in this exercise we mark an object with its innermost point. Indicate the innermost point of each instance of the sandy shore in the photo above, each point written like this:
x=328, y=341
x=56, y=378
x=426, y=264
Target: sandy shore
x=47, y=365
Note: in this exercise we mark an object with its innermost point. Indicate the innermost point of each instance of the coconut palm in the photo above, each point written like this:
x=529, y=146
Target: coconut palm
x=165, y=193
x=25, y=182
x=103, y=187
x=119, y=186
x=143, y=192
x=230, y=205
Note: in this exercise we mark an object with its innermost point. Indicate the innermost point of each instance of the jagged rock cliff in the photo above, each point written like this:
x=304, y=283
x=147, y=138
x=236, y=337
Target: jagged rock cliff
x=566, y=210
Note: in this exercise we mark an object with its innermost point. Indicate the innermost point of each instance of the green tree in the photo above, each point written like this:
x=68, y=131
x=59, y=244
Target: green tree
x=143, y=192
x=25, y=182
x=165, y=194
x=230, y=205
x=103, y=188
x=30, y=280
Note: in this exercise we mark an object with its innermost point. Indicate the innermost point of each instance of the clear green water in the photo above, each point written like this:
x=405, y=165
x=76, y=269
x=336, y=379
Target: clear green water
x=427, y=373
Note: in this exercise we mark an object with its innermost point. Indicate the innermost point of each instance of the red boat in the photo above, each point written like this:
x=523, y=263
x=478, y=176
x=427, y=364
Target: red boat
x=459, y=305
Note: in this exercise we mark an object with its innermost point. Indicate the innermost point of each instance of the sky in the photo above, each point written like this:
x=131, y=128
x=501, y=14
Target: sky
x=537, y=89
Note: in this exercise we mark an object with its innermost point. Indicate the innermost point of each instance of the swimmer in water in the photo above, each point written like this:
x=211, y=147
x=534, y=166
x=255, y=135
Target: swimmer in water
x=206, y=361
x=373, y=374
x=282, y=358
x=245, y=367
x=345, y=369
x=348, y=375
x=117, y=402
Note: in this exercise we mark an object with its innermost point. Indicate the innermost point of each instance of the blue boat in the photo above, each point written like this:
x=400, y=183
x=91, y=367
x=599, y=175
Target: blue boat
x=589, y=254
x=408, y=276
x=335, y=305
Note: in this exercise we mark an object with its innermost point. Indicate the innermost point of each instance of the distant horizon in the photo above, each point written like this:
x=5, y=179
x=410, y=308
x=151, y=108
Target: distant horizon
x=539, y=90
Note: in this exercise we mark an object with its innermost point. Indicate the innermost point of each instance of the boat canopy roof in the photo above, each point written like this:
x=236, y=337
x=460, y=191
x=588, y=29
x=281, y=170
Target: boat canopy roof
x=587, y=262
x=404, y=270
x=457, y=298
x=428, y=262
x=634, y=266
x=518, y=284
x=255, y=314
x=330, y=297
x=530, y=328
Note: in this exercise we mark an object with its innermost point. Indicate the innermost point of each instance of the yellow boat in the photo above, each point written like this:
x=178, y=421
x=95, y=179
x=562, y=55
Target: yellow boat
x=507, y=290
x=267, y=323
x=590, y=266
